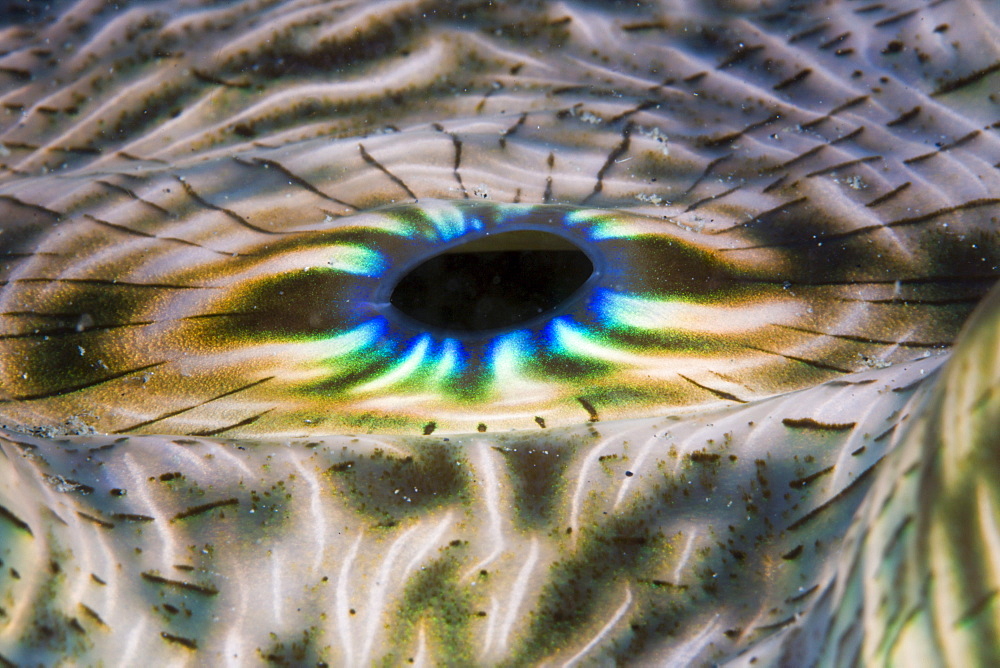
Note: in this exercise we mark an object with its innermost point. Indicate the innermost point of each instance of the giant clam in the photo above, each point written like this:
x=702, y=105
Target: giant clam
x=739, y=430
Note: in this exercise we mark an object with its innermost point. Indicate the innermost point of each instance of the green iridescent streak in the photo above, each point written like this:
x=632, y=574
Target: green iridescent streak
x=674, y=269
x=51, y=358
x=287, y=307
x=664, y=342
x=435, y=597
x=414, y=220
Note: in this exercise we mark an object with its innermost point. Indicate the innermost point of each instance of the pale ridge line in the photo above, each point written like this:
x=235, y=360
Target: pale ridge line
x=276, y=609
x=635, y=468
x=22, y=605
x=605, y=630
x=581, y=480
x=316, y=508
x=491, y=493
x=491, y=626
x=137, y=487
x=420, y=656
x=433, y=540
x=232, y=642
x=686, y=652
x=518, y=592
x=225, y=452
x=132, y=645
x=343, y=618
x=685, y=555
x=376, y=599
x=989, y=527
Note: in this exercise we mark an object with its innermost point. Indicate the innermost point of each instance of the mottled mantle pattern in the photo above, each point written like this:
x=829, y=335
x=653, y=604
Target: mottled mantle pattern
x=806, y=474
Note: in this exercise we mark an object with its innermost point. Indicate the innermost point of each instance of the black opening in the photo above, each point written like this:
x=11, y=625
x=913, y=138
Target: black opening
x=494, y=282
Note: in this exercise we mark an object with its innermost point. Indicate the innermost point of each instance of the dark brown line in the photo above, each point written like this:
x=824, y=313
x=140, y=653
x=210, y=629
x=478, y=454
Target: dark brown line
x=589, y=407
x=777, y=625
x=853, y=134
x=83, y=150
x=803, y=595
x=496, y=87
x=976, y=607
x=799, y=76
x=204, y=77
x=147, y=235
x=70, y=331
x=135, y=158
x=909, y=386
x=617, y=152
x=235, y=425
x=89, y=612
x=901, y=222
x=133, y=195
x=867, y=9
x=762, y=217
x=17, y=73
x=775, y=184
x=904, y=117
x=794, y=553
x=642, y=106
x=799, y=158
x=96, y=520
x=739, y=55
x=706, y=200
x=509, y=132
x=719, y=393
x=456, y=144
x=232, y=215
x=83, y=386
x=34, y=207
x=853, y=102
x=812, y=363
x=801, y=483
x=108, y=283
x=882, y=199
x=972, y=204
x=708, y=170
x=297, y=180
x=179, y=640
x=896, y=18
x=204, y=508
x=810, y=423
x=835, y=41
x=799, y=523
x=15, y=520
x=947, y=147
x=710, y=142
x=885, y=434
x=807, y=33
x=132, y=517
x=897, y=534
x=191, y=408
x=969, y=79
x=844, y=165
x=864, y=339
x=646, y=25
x=376, y=164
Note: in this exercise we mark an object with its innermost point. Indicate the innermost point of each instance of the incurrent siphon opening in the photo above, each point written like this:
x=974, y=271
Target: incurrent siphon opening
x=494, y=282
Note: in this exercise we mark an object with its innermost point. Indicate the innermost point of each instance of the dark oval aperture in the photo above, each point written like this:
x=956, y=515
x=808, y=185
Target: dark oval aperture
x=494, y=282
